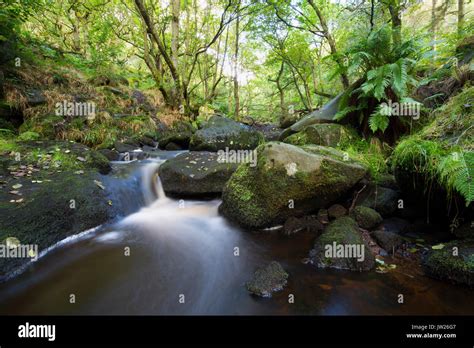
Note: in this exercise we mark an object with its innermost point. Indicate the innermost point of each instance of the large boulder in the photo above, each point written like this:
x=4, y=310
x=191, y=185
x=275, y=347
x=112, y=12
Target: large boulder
x=220, y=133
x=179, y=134
x=454, y=262
x=46, y=213
x=195, y=174
x=287, y=181
x=341, y=246
x=326, y=134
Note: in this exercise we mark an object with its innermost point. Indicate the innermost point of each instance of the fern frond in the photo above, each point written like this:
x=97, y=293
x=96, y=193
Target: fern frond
x=456, y=171
x=379, y=120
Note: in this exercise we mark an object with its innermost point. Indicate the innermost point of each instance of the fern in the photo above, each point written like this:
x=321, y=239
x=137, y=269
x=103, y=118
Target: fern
x=343, y=113
x=379, y=120
x=388, y=70
x=456, y=171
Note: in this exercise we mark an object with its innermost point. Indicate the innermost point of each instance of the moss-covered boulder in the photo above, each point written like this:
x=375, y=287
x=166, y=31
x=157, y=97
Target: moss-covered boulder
x=50, y=211
x=454, y=262
x=220, y=133
x=267, y=280
x=336, y=210
x=179, y=134
x=287, y=181
x=326, y=134
x=195, y=174
x=341, y=246
x=367, y=218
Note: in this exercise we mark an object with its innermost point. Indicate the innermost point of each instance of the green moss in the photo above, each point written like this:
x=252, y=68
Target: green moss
x=28, y=136
x=444, y=264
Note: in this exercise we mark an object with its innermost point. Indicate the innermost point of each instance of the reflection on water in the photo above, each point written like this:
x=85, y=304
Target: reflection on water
x=170, y=252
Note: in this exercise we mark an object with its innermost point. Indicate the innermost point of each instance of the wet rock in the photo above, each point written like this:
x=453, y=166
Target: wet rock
x=195, y=174
x=367, y=218
x=145, y=140
x=46, y=214
x=454, y=262
x=341, y=246
x=179, y=133
x=287, y=181
x=465, y=231
x=220, y=133
x=307, y=223
x=267, y=280
x=111, y=155
x=336, y=210
x=395, y=225
x=126, y=146
x=388, y=240
x=173, y=147
x=382, y=199
x=97, y=160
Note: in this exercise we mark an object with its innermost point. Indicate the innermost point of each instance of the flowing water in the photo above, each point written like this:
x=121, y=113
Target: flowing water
x=165, y=251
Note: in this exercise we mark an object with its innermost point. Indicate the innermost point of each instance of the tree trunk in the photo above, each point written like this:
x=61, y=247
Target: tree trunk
x=161, y=47
x=281, y=91
x=433, y=24
x=460, y=16
x=332, y=43
x=236, y=67
x=395, y=14
x=175, y=7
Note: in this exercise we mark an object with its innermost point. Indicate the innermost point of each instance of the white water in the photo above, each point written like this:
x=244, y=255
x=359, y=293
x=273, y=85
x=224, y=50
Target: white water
x=176, y=248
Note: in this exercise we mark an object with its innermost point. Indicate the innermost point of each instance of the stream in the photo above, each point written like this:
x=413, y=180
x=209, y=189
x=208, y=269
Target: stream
x=170, y=256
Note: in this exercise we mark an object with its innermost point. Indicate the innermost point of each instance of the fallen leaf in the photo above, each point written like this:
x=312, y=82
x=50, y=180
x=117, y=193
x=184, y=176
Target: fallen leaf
x=98, y=183
x=17, y=186
x=438, y=247
x=82, y=159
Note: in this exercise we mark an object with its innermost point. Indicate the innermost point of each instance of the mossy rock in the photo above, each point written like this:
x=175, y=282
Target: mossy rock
x=381, y=199
x=342, y=233
x=367, y=218
x=195, y=174
x=449, y=263
x=179, y=133
x=287, y=181
x=267, y=280
x=220, y=133
x=51, y=211
x=325, y=134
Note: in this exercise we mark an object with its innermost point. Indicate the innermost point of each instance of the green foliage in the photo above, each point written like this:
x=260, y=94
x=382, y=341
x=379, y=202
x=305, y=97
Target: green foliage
x=387, y=71
x=28, y=136
x=371, y=155
x=456, y=172
x=451, y=167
